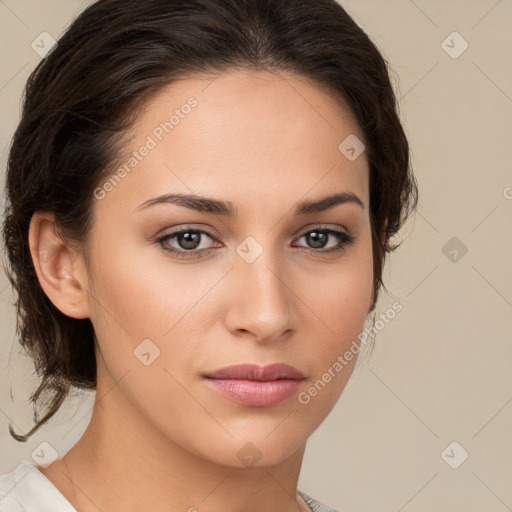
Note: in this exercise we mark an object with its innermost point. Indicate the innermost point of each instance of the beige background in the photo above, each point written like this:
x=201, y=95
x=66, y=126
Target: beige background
x=441, y=371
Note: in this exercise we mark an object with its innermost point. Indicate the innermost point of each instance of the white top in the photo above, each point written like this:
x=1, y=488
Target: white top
x=26, y=489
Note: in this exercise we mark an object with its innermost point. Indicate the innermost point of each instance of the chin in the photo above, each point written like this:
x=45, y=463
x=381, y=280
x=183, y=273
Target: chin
x=259, y=450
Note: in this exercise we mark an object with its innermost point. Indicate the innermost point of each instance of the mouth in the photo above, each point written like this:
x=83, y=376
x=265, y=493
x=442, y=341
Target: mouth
x=256, y=386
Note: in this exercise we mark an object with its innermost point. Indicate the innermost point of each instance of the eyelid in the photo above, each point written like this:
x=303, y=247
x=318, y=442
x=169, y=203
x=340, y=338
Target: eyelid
x=185, y=227
x=320, y=226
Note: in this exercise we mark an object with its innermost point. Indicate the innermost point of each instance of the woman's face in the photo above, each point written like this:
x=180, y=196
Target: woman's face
x=261, y=286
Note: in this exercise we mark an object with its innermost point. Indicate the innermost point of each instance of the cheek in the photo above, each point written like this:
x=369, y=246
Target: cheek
x=341, y=295
x=340, y=298
x=140, y=293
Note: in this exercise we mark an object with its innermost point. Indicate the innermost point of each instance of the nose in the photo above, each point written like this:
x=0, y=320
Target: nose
x=259, y=299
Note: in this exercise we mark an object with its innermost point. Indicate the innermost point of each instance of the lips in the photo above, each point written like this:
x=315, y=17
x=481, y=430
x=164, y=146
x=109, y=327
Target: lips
x=256, y=386
x=259, y=373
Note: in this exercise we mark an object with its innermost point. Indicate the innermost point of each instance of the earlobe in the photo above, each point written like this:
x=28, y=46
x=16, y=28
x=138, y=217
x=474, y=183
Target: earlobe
x=58, y=267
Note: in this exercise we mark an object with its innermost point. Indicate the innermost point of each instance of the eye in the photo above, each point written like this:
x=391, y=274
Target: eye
x=189, y=242
x=318, y=239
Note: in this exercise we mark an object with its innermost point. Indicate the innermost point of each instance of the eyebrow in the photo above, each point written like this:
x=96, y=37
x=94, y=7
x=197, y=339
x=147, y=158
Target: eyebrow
x=226, y=208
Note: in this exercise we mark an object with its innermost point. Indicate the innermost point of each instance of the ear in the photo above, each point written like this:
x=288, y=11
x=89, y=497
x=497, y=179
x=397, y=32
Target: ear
x=59, y=268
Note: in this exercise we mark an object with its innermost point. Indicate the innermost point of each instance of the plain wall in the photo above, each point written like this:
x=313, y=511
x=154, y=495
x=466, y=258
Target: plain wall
x=441, y=370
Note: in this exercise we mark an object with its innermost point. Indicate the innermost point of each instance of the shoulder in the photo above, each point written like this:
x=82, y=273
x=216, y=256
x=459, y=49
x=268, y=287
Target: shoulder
x=26, y=489
x=314, y=505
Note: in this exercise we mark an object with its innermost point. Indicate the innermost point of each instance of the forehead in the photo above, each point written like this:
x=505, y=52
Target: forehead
x=241, y=134
x=242, y=103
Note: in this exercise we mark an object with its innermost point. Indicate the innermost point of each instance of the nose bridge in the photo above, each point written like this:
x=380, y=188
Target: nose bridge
x=262, y=303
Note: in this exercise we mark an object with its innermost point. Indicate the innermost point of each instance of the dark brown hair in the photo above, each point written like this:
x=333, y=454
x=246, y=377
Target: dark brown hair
x=86, y=93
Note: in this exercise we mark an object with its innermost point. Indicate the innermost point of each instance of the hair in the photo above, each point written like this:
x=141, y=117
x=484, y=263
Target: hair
x=115, y=56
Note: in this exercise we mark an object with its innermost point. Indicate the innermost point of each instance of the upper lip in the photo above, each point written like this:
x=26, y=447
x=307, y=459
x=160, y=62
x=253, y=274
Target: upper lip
x=255, y=372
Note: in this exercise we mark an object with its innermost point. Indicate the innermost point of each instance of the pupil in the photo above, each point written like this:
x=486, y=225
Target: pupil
x=318, y=239
x=189, y=240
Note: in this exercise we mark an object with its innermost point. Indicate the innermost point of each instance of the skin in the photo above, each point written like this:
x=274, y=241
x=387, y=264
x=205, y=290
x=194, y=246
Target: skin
x=159, y=438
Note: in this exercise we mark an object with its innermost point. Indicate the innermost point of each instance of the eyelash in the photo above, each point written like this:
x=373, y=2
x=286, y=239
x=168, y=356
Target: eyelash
x=345, y=239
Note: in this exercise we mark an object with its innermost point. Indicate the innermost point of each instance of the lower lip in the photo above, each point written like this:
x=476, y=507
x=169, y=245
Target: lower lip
x=256, y=393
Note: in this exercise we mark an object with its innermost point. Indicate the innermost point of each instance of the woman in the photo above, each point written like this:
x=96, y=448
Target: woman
x=201, y=195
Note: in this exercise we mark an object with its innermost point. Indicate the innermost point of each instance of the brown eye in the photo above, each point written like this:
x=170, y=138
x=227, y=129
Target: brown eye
x=318, y=239
x=188, y=242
